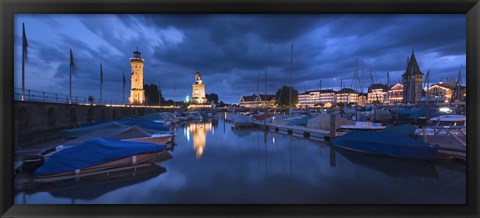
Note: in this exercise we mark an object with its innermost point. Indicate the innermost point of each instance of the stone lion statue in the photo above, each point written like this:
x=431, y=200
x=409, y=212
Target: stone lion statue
x=198, y=78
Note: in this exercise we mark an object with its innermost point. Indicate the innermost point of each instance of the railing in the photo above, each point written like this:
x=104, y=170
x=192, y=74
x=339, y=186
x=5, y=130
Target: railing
x=38, y=96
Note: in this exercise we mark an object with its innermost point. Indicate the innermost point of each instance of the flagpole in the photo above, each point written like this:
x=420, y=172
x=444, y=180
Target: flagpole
x=290, y=100
x=71, y=62
x=101, y=81
x=24, y=47
x=159, y=99
x=123, y=88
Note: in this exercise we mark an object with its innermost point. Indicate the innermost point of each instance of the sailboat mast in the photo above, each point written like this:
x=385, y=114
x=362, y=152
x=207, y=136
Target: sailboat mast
x=388, y=87
x=320, y=92
x=258, y=93
x=291, y=69
x=410, y=87
x=265, y=106
x=356, y=72
x=427, y=83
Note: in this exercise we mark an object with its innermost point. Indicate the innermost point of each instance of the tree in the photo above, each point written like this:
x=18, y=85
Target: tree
x=212, y=97
x=283, y=96
x=169, y=102
x=222, y=104
x=152, y=94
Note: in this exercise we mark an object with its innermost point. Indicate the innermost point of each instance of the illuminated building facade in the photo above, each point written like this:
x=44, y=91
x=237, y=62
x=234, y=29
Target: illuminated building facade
x=362, y=99
x=315, y=98
x=258, y=101
x=395, y=94
x=377, y=93
x=347, y=96
x=137, y=93
x=439, y=93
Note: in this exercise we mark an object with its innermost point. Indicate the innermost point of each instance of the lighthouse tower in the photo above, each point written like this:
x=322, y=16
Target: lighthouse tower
x=137, y=93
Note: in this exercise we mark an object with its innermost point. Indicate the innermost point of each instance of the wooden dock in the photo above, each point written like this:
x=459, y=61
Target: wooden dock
x=318, y=134
x=445, y=152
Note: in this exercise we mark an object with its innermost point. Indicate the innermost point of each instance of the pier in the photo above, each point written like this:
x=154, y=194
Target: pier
x=42, y=121
x=304, y=132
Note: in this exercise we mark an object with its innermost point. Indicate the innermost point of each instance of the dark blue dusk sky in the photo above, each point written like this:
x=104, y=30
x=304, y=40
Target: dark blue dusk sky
x=232, y=51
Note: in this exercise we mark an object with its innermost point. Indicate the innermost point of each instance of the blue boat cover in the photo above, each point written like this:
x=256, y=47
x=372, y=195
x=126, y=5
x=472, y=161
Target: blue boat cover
x=150, y=126
x=75, y=133
x=152, y=117
x=415, y=113
x=406, y=129
x=93, y=152
x=145, y=124
x=387, y=143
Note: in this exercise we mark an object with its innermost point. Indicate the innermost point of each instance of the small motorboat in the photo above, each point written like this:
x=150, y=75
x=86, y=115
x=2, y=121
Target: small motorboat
x=263, y=116
x=134, y=133
x=149, y=126
x=387, y=143
x=93, y=157
x=194, y=115
x=450, y=130
x=240, y=121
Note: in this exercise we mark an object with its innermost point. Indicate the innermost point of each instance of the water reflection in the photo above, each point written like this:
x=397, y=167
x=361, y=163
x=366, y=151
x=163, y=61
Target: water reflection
x=199, y=135
x=91, y=188
x=391, y=167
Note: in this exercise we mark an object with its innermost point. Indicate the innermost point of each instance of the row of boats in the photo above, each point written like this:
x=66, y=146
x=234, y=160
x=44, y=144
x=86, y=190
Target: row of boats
x=103, y=148
x=442, y=132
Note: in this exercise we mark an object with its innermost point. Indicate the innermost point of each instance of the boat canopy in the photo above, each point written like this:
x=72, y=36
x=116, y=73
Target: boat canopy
x=416, y=113
x=119, y=133
x=93, y=152
x=406, y=129
x=387, y=143
x=78, y=132
x=144, y=124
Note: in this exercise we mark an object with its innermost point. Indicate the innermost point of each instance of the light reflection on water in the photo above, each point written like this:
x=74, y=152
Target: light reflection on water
x=199, y=132
x=213, y=163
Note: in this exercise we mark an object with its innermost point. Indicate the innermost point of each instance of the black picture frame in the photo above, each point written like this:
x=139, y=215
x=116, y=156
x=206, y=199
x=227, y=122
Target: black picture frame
x=471, y=8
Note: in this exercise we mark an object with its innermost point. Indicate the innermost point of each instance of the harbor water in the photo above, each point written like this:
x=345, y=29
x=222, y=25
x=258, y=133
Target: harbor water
x=214, y=163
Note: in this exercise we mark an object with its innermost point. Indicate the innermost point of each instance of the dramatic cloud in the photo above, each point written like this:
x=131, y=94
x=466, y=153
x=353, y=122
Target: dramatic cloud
x=232, y=52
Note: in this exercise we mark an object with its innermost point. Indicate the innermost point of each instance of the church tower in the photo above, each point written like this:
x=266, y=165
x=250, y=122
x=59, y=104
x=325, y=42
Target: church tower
x=412, y=81
x=137, y=93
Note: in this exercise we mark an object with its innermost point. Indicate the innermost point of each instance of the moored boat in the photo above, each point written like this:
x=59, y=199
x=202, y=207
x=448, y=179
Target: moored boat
x=263, y=116
x=386, y=143
x=124, y=133
x=447, y=130
x=149, y=126
x=240, y=120
x=98, y=155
